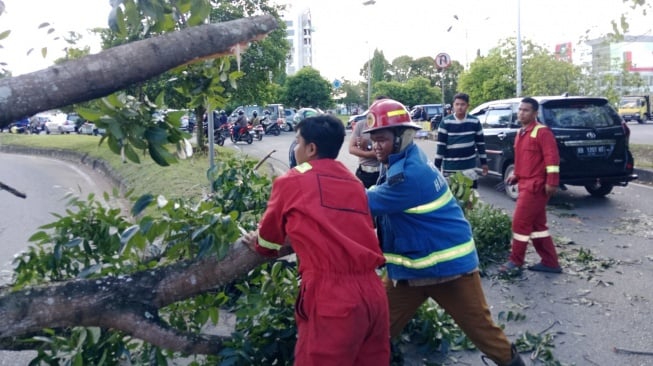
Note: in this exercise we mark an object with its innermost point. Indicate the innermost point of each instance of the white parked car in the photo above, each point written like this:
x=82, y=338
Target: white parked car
x=56, y=122
x=89, y=128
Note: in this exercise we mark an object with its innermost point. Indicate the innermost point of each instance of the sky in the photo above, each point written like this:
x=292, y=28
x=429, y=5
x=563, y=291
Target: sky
x=346, y=32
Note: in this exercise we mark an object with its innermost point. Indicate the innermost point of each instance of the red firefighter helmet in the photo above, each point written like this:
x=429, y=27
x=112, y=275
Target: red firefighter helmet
x=388, y=113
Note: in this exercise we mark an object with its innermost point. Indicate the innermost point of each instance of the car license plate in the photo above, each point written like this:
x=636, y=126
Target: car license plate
x=591, y=151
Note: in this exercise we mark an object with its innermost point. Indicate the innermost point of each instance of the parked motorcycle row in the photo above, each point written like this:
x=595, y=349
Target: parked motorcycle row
x=246, y=134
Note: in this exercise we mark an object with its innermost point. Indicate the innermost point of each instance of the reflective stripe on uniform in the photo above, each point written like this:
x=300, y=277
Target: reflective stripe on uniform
x=540, y=234
x=534, y=132
x=520, y=237
x=553, y=169
x=432, y=206
x=268, y=244
x=432, y=259
x=303, y=167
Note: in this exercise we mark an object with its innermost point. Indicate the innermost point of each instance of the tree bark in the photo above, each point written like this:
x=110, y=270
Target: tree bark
x=116, y=68
x=126, y=303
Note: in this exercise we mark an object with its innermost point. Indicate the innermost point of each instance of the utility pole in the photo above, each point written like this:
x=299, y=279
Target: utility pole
x=519, y=50
x=369, y=62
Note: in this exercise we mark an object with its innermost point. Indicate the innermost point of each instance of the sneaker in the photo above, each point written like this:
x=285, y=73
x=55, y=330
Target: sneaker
x=510, y=269
x=542, y=268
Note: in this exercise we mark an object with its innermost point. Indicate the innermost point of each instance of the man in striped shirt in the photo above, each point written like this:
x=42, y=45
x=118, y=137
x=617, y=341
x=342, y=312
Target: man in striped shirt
x=460, y=139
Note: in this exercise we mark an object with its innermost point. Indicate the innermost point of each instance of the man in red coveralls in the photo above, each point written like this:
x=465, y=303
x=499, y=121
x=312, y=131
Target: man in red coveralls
x=320, y=208
x=537, y=175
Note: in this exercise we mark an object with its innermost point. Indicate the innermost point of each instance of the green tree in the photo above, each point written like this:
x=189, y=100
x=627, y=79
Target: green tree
x=307, y=88
x=494, y=76
x=401, y=68
x=417, y=90
x=356, y=93
x=488, y=78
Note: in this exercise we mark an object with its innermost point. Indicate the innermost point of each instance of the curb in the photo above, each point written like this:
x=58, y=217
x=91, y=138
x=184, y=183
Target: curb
x=95, y=164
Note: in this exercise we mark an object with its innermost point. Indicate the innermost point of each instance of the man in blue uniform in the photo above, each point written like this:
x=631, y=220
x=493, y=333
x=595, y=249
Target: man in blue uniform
x=425, y=238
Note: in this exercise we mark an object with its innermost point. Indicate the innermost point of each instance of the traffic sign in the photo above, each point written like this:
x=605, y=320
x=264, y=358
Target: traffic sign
x=442, y=60
x=337, y=84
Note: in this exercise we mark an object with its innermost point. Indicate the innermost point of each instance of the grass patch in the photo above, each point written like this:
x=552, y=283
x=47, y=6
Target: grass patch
x=643, y=155
x=187, y=178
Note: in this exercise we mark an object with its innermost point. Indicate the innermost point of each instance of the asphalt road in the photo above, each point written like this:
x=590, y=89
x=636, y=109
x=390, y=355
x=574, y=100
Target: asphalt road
x=46, y=182
x=641, y=133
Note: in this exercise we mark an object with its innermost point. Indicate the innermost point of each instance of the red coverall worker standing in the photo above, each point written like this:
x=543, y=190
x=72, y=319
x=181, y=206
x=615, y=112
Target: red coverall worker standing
x=342, y=310
x=537, y=174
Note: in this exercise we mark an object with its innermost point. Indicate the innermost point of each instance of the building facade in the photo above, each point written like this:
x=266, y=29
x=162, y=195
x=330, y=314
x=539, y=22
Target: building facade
x=299, y=34
x=633, y=53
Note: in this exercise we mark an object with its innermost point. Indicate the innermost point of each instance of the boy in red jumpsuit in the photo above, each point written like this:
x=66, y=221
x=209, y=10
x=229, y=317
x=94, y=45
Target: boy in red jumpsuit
x=321, y=209
x=537, y=175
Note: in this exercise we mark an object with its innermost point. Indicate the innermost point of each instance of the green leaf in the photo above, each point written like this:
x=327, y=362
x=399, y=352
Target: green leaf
x=213, y=314
x=142, y=203
x=39, y=236
x=95, y=333
x=131, y=154
x=114, y=145
x=138, y=143
x=200, y=10
x=89, y=114
x=128, y=233
x=4, y=34
x=44, y=52
x=90, y=270
x=157, y=155
x=156, y=135
x=73, y=243
x=199, y=231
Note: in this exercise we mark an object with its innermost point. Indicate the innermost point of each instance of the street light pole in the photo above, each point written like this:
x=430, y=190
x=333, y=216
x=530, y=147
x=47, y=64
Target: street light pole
x=369, y=78
x=519, y=50
x=369, y=62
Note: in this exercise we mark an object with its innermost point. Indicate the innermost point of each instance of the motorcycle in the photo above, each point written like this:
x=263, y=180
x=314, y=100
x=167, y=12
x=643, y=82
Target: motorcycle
x=222, y=133
x=270, y=127
x=258, y=131
x=243, y=135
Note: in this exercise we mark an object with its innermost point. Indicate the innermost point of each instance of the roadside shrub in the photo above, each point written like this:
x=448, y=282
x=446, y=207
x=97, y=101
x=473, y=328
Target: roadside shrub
x=492, y=233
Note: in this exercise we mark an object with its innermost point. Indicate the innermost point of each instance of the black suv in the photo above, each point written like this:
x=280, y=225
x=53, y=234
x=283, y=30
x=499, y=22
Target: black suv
x=592, y=140
x=433, y=114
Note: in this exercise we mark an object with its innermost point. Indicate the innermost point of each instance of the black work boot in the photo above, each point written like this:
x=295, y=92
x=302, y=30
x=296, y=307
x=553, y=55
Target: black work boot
x=514, y=361
x=516, y=357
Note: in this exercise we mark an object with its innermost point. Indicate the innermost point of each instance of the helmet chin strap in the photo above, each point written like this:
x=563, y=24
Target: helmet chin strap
x=403, y=138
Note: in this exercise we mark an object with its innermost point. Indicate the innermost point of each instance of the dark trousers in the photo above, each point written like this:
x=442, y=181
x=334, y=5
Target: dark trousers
x=368, y=179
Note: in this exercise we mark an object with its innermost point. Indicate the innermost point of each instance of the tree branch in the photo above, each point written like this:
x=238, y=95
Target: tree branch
x=116, y=68
x=127, y=303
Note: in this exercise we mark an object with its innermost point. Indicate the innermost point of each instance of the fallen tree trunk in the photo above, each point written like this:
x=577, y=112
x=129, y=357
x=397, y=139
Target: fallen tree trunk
x=127, y=303
x=101, y=74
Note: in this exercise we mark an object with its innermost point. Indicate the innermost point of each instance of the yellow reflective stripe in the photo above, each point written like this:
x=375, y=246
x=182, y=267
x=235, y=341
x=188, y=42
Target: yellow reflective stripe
x=397, y=112
x=432, y=259
x=534, y=132
x=303, y=167
x=540, y=234
x=520, y=237
x=432, y=206
x=268, y=244
x=552, y=169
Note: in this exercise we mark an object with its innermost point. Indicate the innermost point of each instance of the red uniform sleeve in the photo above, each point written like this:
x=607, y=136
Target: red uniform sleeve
x=272, y=232
x=551, y=156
